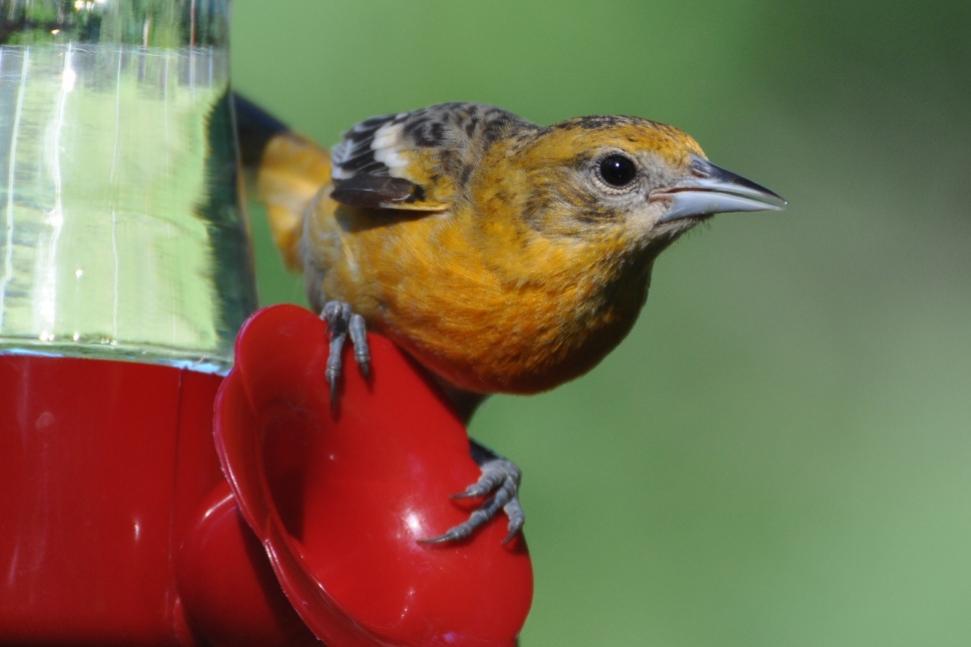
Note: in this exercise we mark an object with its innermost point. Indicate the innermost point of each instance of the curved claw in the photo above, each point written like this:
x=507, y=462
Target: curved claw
x=517, y=518
x=334, y=362
x=465, y=529
x=473, y=491
x=362, y=353
x=501, y=478
x=343, y=323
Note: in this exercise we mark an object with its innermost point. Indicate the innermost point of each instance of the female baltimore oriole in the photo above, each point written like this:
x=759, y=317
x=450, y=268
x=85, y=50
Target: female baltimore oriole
x=501, y=255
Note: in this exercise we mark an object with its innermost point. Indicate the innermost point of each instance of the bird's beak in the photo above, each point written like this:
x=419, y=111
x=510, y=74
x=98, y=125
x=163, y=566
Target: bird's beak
x=712, y=189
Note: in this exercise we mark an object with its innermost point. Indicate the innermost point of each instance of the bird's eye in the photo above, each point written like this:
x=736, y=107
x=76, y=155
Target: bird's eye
x=617, y=170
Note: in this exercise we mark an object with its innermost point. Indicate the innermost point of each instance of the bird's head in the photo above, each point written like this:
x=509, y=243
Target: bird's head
x=627, y=180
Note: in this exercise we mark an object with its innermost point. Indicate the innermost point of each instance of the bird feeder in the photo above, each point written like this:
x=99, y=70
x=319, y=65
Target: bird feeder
x=129, y=512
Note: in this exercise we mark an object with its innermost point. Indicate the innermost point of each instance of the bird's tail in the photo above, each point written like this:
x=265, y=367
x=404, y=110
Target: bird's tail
x=287, y=170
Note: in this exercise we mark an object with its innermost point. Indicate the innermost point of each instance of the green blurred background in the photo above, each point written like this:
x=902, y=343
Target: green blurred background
x=780, y=453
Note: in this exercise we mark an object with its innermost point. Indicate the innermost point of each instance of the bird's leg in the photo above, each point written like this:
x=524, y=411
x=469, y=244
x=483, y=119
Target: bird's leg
x=500, y=478
x=343, y=323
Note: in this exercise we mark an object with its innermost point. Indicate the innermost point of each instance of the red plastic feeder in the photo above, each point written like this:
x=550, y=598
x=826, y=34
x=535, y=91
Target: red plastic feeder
x=122, y=531
x=341, y=501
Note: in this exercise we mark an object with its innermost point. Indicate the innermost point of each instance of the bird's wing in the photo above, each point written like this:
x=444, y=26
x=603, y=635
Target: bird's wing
x=420, y=160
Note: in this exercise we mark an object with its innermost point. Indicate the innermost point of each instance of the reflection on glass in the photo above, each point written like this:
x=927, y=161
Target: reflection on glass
x=120, y=230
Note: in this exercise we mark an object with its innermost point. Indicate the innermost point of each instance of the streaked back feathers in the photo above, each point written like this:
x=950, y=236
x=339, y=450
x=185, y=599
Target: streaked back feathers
x=433, y=150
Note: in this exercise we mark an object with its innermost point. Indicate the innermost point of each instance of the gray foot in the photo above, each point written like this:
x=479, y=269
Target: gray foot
x=500, y=478
x=343, y=323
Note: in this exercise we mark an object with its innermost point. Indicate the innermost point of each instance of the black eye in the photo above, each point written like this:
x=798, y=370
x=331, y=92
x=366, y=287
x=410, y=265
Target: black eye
x=618, y=170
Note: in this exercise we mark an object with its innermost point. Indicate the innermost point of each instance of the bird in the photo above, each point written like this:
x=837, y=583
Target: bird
x=501, y=255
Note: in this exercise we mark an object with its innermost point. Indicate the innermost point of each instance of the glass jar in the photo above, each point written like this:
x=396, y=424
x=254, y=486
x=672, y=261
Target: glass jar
x=121, y=230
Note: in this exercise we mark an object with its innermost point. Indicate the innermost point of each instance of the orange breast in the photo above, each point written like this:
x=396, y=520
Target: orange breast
x=489, y=307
